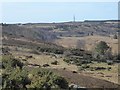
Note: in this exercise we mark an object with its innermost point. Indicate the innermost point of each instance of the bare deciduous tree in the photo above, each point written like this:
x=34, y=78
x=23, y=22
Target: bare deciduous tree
x=81, y=44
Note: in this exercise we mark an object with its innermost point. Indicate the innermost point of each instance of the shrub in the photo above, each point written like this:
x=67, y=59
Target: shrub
x=77, y=52
x=47, y=79
x=100, y=68
x=115, y=37
x=61, y=82
x=9, y=62
x=101, y=47
x=46, y=65
x=5, y=51
x=15, y=78
x=66, y=60
x=74, y=71
x=109, y=68
x=86, y=66
x=27, y=57
x=22, y=77
x=55, y=50
x=110, y=63
x=54, y=63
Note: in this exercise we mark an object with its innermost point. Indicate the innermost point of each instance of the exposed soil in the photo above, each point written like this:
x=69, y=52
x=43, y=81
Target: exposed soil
x=85, y=81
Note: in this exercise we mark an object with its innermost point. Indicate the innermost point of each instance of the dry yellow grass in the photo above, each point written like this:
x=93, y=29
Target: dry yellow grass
x=91, y=41
x=45, y=59
x=111, y=75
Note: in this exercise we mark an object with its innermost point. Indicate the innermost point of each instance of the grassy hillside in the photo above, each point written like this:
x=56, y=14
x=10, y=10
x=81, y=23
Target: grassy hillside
x=87, y=42
x=72, y=50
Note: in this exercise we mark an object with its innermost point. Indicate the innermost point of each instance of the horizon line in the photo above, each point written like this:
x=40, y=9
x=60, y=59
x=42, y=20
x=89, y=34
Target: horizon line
x=98, y=20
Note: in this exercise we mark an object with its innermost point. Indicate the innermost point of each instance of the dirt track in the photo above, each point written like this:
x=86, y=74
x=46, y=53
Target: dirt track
x=85, y=81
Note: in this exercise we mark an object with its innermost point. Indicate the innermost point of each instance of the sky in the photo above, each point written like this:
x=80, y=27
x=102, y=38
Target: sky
x=46, y=12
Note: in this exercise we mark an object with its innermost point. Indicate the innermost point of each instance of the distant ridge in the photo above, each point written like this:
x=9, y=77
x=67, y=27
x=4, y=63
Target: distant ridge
x=102, y=21
x=30, y=23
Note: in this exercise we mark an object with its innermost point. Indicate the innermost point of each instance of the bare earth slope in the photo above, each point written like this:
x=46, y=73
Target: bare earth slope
x=85, y=81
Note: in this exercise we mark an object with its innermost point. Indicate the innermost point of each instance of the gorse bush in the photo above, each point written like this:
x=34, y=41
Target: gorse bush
x=15, y=75
x=46, y=79
x=8, y=61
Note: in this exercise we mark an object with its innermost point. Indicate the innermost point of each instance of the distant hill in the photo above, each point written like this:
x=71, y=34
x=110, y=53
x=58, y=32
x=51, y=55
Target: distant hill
x=25, y=32
x=51, y=31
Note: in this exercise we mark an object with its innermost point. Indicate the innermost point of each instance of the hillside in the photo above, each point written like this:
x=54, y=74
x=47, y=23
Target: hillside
x=87, y=42
x=67, y=34
x=50, y=31
x=67, y=49
x=27, y=33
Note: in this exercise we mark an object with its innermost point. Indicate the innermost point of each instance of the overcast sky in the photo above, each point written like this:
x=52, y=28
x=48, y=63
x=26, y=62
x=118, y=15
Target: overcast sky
x=29, y=12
